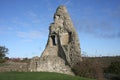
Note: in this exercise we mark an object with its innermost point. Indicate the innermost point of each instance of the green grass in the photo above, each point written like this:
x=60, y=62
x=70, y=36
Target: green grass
x=37, y=76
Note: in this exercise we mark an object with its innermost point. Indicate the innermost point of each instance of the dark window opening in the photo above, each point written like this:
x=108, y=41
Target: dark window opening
x=54, y=39
x=70, y=36
x=36, y=64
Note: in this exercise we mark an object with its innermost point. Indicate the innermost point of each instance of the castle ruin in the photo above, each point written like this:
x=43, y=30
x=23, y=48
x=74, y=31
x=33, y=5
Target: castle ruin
x=62, y=51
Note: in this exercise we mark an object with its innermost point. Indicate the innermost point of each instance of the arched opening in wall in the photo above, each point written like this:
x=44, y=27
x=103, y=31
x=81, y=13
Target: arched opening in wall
x=54, y=39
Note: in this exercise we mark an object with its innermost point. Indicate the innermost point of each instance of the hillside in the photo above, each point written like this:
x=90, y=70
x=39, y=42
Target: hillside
x=38, y=76
x=99, y=67
x=105, y=60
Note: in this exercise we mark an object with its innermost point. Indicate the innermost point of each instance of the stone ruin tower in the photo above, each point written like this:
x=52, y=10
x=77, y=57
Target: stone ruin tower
x=63, y=48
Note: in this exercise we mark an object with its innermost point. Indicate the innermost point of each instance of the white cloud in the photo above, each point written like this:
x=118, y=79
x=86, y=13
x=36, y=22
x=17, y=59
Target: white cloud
x=10, y=28
x=68, y=2
x=5, y=29
x=31, y=14
x=33, y=17
x=113, y=13
x=104, y=25
x=29, y=35
x=21, y=23
x=98, y=28
x=49, y=5
x=1, y=20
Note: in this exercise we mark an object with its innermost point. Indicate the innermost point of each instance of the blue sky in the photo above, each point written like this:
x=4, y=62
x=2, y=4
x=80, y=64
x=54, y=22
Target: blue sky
x=24, y=25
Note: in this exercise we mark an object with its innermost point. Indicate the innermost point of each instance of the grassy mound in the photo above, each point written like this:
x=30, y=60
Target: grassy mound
x=38, y=76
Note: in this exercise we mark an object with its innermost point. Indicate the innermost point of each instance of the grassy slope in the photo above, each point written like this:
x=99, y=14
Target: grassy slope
x=37, y=76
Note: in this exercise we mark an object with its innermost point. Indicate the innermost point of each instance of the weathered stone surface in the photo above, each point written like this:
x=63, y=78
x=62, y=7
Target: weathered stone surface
x=63, y=49
x=14, y=66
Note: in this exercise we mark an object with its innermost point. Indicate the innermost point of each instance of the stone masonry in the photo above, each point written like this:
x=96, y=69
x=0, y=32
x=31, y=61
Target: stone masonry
x=63, y=48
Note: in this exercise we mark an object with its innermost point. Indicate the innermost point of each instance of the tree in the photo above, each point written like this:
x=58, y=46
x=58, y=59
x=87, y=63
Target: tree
x=3, y=52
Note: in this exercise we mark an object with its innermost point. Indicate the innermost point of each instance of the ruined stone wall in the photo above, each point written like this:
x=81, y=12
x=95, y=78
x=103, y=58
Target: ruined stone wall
x=14, y=66
x=63, y=49
x=34, y=64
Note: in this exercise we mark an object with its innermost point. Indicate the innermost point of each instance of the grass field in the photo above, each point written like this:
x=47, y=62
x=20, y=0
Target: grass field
x=37, y=76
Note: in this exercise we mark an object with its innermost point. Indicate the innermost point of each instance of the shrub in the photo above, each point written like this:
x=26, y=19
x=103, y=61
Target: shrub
x=89, y=68
x=2, y=60
x=114, y=68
